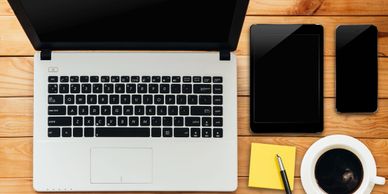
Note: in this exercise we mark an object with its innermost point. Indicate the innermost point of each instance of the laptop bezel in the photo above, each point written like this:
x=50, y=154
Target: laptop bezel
x=230, y=45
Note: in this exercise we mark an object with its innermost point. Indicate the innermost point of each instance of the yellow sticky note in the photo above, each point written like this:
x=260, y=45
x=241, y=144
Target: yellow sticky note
x=264, y=170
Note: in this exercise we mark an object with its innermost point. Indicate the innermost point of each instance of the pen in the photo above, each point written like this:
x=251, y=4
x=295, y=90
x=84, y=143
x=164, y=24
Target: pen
x=284, y=175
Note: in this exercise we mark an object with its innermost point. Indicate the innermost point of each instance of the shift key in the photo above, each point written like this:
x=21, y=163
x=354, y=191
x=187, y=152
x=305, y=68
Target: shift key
x=201, y=110
x=59, y=121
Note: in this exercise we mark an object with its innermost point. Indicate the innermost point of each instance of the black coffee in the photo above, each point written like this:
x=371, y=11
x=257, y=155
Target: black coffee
x=339, y=171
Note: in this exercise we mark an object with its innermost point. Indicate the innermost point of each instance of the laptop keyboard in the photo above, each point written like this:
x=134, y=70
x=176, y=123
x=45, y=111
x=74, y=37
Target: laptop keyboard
x=135, y=106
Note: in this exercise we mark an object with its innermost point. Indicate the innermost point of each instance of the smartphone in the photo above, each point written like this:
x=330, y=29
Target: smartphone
x=356, y=69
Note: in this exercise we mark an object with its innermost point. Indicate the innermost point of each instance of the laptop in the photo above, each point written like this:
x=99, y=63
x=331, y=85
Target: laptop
x=108, y=117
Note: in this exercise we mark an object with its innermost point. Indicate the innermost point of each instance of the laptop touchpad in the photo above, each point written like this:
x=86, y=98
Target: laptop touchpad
x=121, y=165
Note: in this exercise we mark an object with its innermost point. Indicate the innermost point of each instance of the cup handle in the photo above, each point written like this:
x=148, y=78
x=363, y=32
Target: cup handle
x=379, y=180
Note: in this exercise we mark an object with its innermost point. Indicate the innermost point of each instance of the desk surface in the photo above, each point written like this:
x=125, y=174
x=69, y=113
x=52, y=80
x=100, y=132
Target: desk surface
x=16, y=89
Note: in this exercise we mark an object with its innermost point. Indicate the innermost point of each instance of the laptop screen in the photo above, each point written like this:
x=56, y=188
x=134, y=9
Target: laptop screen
x=136, y=21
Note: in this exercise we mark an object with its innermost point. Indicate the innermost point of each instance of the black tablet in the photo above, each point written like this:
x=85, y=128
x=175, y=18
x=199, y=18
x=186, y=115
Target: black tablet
x=286, y=73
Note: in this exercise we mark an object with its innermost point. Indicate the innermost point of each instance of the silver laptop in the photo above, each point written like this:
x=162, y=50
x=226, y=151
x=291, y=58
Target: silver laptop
x=110, y=118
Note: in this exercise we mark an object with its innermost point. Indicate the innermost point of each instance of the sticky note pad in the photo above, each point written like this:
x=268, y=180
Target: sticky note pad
x=264, y=170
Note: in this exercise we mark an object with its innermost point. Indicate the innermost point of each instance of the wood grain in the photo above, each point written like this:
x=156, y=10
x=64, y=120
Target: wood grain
x=295, y=7
x=16, y=154
x=24, y=186
x=13, y=41
x=16, y=77
x=16, y=120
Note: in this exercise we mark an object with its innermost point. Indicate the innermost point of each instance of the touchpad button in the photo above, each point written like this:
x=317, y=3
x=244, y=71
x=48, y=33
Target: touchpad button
x=121, y=165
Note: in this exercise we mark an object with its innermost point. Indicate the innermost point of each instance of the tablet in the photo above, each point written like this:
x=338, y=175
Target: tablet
x=286, y=73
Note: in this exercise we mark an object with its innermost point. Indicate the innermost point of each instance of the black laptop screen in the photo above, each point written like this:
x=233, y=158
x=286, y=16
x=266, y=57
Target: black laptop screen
x=130, y=20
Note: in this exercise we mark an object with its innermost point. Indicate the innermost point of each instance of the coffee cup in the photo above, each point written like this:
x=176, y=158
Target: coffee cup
x=339, y=164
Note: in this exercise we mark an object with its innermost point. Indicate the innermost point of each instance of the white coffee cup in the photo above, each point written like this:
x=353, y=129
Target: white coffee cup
x=307, y=170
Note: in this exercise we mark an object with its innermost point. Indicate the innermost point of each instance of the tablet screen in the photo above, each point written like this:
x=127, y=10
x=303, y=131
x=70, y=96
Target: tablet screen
x=286, y=78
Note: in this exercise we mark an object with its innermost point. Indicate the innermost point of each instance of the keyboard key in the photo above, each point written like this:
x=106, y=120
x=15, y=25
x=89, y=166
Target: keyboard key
x=100, y=121
x=186, y=88
x=147, y=99
x=114, y=78
x=184, y=110
x=94, y=110
x=84, y=79
x=206, y=132
x=89, y=121
x=77, y=121
x=128, y=110
x=192, y=99
x=159, y=99
x=108, y=88
x=135, y=79
x=202, y=88
x=156, y=121
x=197, y=79
x=167, y=121
x=53, y=79
x=167, y=132
x=66, y=132
x=205, y=99
x=153, y=88
x=114, y=99
x=64, y=78
x=92, y=99
x=105, y=110
x=55, y=99
x=162, y=110
x=59, y=121
x=117, y=110
x=144, y=121
x=53, y=132
x=181, y=132
x=120, y=88
x=217, y=132
x=77, y=132
x=181, y=99
x=125, y=99
x=133, y=121
x=75, y=88
x=139, y=110
x=89, y=132
x=150, y=110
x=164, y=88
x=156, y=79
x=175, y=88
x=124, y=78
x=136, y=99
x=74, y=79
x=217, y=100
x=166, y=79
x=104, y=78
x=53, y=88
x=123, y=132
x=142, y=88
x=192, y=121
x=173, y=110
x=110, y=121
x=170, y=99
x=201, y=110
x=69, y=99
x=102, y=99
x=176, y=79
x=97, y=88
x=206, y=121
x=80, y=99
x=217, y=121
x=86, y=88
x=83, y=110
x=207, y=79
x=178, y=121
x=156, y=132
x=63, y=88
x=217, y=79
x=94, y=79
x=217, y=110
x=57, y=110
x=72, y=110
x=186, y=79
x=217, y=89
x=122, y=121
x=146, y=79
x=195, y=132
x=131, y=88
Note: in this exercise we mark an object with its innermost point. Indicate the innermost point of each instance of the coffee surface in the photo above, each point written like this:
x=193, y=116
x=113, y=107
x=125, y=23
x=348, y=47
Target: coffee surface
x=339, y=171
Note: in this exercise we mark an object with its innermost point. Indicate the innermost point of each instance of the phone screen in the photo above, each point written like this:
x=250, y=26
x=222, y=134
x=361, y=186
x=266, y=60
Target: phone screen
x=356, y=68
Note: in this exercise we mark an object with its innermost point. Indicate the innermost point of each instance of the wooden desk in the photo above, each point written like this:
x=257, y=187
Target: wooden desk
x=16, y=89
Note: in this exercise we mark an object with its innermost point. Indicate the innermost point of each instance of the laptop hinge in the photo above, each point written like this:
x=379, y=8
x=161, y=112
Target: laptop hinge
x=45, y=55
x=225, y=55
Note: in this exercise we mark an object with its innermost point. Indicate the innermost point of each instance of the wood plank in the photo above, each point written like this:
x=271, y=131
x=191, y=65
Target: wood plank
x=329, y=76
x=318, y=7
x=356, y=125
x=16, y=119
x=16, y=77
x=16, y=153
x=13, y=40
x=295, y=7
x=329, y=23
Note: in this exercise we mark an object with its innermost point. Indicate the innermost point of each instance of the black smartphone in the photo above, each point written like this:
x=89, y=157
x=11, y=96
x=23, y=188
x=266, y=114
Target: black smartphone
x=286, y=74
x=356, y=68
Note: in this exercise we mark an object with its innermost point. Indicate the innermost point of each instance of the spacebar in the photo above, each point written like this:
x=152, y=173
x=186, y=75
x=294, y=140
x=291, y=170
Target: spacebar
x=122, y=132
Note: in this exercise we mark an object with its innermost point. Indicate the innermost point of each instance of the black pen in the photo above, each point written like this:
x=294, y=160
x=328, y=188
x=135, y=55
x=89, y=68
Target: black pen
x=284, y=175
